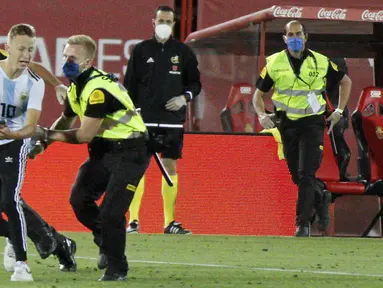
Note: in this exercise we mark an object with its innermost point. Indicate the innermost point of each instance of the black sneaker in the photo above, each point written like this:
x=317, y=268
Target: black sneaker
x=102, y=261
x=133, y=227
x=47, y=246
x=176, y=228
x=116, y=272
x=65, y=255
x=323, y=211
x=114, y=277
x=302, y=231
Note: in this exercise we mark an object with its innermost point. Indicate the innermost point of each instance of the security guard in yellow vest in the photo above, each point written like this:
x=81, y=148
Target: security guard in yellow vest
x=118, y=154
x=298, y=77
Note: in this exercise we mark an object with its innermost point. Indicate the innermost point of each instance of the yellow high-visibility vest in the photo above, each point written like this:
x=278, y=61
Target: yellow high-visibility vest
x=122, y=124
x=290, y=92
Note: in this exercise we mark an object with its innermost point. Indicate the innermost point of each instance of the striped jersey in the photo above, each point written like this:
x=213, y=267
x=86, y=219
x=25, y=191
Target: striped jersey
x=17, y=96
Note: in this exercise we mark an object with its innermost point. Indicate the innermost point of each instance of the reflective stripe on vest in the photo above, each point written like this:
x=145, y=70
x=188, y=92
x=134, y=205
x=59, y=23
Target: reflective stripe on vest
x=297, y=111
x=298, y=92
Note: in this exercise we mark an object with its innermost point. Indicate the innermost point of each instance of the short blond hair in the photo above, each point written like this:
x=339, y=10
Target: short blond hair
x=86, y=41
x=21, y=29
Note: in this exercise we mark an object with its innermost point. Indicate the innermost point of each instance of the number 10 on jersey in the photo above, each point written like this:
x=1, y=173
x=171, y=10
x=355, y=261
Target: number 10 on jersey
x=7, y=110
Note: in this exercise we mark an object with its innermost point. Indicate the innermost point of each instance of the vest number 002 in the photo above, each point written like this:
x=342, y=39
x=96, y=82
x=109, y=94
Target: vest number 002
x=313, y=74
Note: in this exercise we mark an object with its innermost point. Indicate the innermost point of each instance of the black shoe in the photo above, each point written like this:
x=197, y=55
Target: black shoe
x=302, y=231
x=176, y=228
x=133, y=227
x=323, y=211
x=102, y=262
x=117, y=272
x=114, y=277
x=47, y=246
x=65, y=255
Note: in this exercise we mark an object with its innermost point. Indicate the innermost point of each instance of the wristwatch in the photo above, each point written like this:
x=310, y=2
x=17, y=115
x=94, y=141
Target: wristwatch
x=338, y=110
x=187, y=97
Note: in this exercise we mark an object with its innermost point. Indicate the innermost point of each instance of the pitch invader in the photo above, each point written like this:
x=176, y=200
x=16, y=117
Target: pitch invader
x=45, y=237
x=21, y=96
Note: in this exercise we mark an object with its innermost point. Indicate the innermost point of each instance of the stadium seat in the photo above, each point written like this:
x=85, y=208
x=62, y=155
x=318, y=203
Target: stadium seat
x=367, y=121
x=329, y=173
x=239, y=114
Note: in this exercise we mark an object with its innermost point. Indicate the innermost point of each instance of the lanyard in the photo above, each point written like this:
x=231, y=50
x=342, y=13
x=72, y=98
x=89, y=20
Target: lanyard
x=297, y=73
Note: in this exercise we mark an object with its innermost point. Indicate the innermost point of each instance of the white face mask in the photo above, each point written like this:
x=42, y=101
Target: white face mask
x=163, y=31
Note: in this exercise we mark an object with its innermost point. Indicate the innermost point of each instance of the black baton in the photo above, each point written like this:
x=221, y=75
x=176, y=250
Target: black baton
x=163, y=170
x=156, y=157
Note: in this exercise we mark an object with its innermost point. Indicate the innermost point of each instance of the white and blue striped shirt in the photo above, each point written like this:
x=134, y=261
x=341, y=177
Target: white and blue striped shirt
x=17, y=96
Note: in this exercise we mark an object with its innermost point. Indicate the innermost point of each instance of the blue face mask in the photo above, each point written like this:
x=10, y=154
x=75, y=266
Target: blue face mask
x=71, y=70
x=295, y=44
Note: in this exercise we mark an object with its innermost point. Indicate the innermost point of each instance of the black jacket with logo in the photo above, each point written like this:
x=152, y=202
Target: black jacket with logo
x=156, y=73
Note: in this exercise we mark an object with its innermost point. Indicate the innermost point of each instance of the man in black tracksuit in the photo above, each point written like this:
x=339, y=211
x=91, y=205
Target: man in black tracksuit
x=162, y=78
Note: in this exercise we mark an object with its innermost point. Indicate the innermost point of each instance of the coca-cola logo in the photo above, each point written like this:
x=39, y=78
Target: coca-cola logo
x=293, y=12
x=372, y=16
x=337, y=14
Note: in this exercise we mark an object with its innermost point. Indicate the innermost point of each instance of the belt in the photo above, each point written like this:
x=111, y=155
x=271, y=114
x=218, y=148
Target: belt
x=163, y=125
x=118, y=144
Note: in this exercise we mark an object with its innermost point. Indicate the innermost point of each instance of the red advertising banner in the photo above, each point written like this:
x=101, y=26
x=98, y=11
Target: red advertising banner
x=227, y=185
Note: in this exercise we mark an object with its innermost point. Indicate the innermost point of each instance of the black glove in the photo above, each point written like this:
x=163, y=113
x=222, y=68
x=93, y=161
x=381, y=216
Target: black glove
x=39, y=142
x=37, y=147
x=41, y=134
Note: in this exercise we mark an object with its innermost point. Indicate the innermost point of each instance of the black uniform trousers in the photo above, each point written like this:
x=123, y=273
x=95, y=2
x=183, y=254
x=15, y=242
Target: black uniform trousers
x=303, y=148
x=114, y=167
x=13, y=160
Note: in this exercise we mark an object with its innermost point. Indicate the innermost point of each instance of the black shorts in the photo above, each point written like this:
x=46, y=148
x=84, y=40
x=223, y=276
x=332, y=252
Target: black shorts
x=174, y=138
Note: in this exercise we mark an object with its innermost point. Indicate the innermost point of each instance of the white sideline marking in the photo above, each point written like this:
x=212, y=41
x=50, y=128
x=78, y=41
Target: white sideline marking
x=340, y=273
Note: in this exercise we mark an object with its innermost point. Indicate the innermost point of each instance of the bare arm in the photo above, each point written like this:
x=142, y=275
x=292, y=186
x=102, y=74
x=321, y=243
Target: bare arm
x=88, y=129
x=27, y=131
x=47, y=76
x=63, y=122
x=259, y=103
x=259, y=106
x=344, y=94
x=344, y=91
x=41, y=142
